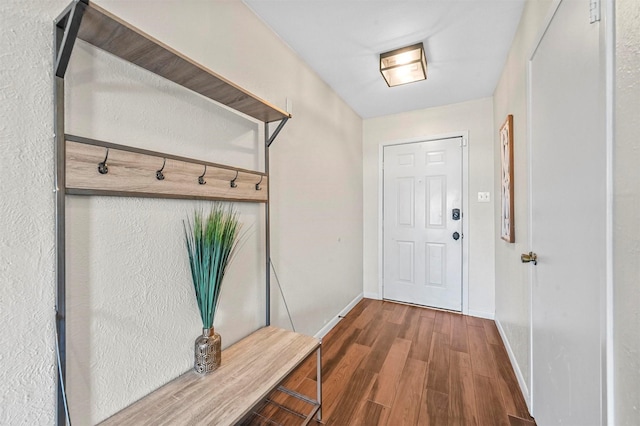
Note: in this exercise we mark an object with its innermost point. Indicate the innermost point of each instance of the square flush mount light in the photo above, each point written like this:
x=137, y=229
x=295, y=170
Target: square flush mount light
x=404, y=65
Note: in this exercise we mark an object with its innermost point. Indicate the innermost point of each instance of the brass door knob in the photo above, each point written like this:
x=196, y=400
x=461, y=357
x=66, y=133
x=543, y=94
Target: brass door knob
x=531, y=257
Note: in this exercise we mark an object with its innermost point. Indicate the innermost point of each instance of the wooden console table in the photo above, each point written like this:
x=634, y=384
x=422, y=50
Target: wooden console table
x=250, y=370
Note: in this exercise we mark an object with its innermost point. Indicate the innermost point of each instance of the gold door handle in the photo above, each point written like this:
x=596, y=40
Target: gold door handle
x=531, y=257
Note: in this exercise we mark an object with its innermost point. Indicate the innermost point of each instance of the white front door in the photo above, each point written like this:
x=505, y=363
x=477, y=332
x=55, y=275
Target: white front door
x=568, y=218
x=422, y=223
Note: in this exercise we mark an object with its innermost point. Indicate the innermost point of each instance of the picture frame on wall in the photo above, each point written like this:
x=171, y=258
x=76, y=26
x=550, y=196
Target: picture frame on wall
x=507, y=220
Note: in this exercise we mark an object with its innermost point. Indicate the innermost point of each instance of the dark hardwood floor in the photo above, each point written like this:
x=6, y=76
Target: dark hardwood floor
x=391, y=364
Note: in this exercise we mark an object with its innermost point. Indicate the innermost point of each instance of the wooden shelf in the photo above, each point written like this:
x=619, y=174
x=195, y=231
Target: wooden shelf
x=110, y=33
x=250, y=369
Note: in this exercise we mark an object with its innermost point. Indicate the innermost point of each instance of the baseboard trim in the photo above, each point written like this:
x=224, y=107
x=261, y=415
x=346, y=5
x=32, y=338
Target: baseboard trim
x=481, y=314
x=371, y=295
x=514, y=364
x=335, y=320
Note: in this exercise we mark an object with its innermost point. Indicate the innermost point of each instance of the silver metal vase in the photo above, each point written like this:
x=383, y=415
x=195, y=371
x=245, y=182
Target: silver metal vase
x=207, y=351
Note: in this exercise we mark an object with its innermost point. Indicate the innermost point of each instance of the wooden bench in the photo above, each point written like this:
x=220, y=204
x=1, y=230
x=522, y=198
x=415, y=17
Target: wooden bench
x=251, y=369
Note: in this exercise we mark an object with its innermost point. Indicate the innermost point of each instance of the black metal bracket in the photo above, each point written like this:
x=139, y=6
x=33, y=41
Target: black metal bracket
x=70, y=21
x=275, y=132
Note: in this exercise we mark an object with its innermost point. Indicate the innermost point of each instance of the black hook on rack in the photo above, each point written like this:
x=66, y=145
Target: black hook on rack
x=233, y=181
x=159, y=174
x=201, y=180
x=102, y=166
x=258, y=184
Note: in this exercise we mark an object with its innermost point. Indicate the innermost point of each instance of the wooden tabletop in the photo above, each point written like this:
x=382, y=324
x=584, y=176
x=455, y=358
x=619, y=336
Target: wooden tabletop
x=250, y=369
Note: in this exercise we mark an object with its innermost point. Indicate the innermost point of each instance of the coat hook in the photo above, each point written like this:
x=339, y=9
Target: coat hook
x=102, y=166
x=201, y=180
x=159, y=174
x=258, y=184
x=233, y=181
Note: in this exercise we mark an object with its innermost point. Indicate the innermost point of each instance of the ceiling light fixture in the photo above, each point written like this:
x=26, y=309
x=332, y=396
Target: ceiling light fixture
x=404, y=65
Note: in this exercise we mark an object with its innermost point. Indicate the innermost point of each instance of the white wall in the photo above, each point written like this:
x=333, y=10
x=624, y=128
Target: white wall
x=513, y=299
x=512, y=286
x=27, y=298
x=132, y=316
x=476, y=117
x=626, y=230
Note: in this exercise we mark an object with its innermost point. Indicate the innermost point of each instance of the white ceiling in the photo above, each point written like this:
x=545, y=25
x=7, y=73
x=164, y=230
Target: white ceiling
x=466, y=44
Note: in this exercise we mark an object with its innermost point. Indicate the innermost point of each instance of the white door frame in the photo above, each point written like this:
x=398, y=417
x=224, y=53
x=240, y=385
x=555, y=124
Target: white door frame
x=607, y=41
x=465, y=207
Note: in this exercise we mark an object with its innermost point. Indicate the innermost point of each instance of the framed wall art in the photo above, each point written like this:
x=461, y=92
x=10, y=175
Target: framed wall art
x=507, y=231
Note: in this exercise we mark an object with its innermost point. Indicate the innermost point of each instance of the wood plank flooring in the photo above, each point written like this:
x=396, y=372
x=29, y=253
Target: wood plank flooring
x=391, y=364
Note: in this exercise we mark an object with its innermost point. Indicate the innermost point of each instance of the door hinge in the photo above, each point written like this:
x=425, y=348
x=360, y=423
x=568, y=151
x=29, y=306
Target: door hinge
x=594, y=11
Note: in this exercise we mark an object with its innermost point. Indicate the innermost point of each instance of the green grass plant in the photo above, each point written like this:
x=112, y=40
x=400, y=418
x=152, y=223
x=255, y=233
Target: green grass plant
x=211, y=243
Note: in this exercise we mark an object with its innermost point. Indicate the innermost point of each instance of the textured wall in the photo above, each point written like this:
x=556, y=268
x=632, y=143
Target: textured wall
x=626, y=236
x=131, y=312
x=27, y=393
x=513, y=294
x=475, y=117
x=132, y=316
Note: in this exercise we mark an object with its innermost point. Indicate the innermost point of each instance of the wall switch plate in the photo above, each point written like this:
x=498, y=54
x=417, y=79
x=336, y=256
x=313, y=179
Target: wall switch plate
x=484, y=197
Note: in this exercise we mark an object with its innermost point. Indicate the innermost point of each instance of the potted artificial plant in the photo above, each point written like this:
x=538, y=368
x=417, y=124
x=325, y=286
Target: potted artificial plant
x=211, y=243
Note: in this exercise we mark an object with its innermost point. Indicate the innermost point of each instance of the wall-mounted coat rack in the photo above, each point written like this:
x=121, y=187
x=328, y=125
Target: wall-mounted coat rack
x=102, y=168
x=84, y=166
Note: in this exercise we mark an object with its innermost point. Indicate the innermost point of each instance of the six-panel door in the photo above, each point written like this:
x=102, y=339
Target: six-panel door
x=422, y=242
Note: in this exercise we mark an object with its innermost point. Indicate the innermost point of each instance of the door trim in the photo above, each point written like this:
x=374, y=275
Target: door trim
x=607, y=43
x=608, y=20
x=465, y=207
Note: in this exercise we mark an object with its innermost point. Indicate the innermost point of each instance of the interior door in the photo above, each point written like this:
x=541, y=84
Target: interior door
x=422, y=223
x=567, y=161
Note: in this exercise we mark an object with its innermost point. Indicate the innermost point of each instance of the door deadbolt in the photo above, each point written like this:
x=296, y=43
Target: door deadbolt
x=455, y=214
x=531, y=257
x=456, y=236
